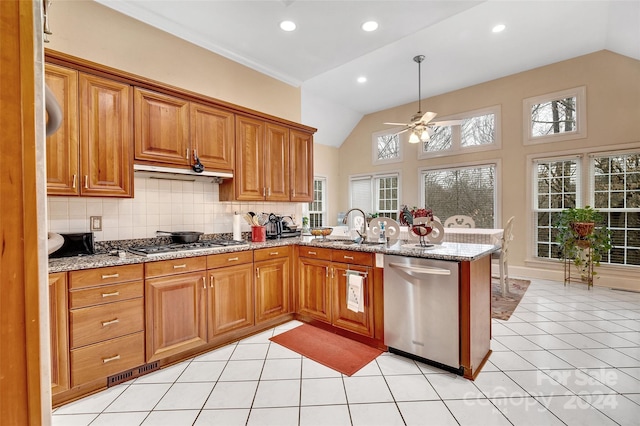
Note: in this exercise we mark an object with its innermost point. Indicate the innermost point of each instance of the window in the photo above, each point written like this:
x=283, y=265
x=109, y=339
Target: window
x=615, y=180
x=556, y=187
x=469, y=191
x=477, y=131
x=386, y=147
x=376, y=194
x=555, y=116
x=612, y=182
x=318, y=207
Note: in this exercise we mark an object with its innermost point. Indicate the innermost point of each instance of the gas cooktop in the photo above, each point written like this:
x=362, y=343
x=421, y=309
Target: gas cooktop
x=173, y=248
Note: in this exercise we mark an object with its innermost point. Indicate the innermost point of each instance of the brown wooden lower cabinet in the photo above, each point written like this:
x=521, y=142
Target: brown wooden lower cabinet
x=341, y=316
x=59, y=330
x=175, y=314
x=230, y=293
x=106, y=358
x=322, y=288
x=272, y=277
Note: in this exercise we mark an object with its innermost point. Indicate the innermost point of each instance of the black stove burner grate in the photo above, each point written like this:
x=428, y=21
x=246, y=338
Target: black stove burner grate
x=172, y=248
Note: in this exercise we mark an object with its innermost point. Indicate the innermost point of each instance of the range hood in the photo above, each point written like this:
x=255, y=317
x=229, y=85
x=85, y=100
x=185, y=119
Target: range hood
x=174, y=173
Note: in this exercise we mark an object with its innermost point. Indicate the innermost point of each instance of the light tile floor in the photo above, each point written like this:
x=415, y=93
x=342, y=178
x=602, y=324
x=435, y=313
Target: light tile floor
x=567, y=355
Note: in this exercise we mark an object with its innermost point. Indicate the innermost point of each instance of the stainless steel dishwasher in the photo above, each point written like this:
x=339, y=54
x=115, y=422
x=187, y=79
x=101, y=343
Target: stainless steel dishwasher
x=421, y=310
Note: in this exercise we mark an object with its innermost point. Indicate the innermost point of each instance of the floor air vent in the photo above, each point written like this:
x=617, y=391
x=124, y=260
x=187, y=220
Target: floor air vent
x=116, y=379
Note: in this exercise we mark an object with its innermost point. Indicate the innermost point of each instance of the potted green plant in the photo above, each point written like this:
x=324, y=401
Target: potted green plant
x=583, y=239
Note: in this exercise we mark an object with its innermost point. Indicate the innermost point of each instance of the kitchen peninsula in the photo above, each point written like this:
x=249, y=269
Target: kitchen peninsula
x=131, y=314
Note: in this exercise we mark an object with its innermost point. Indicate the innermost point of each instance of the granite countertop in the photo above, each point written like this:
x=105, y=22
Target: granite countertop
x=445, y=251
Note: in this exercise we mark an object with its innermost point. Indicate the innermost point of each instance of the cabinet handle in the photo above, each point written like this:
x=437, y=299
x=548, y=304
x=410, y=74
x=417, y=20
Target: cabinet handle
x=113, y=358
x=184, y=265
x=274, y=253
x=327, y=271
x=312, y=252
x=231, y=259
x=293, y=192
x=333, y=273
x=204, y=283
x=187, y=156
x=269, y=192
x=115, y=293
x=104, y=277
x=257, y=272
x=264, y=191
x=74, y=180
x=86, y=181
x=211, y=281
x=113, y=321
x=348, y=257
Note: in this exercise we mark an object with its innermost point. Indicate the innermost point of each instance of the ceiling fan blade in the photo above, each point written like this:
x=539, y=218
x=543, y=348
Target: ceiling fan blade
x=403, y=130
x=446, y=123
x=427, y=117
x=397, y=124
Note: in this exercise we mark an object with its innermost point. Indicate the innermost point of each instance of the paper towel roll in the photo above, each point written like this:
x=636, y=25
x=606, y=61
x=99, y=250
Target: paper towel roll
x=237, y=235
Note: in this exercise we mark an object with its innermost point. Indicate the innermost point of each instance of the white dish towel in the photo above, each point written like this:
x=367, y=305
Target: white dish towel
x=355, y=299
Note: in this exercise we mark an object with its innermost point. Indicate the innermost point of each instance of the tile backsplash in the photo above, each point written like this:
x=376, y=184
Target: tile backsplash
x=159, y=204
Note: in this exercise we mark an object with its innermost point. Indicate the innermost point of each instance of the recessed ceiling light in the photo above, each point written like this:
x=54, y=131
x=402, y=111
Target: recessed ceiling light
x=362, y=79
x=287, y=25
x=370, y=26
x=499, y=28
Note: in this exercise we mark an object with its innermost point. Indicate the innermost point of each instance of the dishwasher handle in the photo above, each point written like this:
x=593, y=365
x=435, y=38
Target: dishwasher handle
x=421, y=269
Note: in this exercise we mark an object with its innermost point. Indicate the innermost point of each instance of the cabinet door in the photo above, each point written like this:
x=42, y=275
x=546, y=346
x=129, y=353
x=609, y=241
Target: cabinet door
x=314, y=289
x=175, y=314
x=359, y=322
x=272, y=288
x=249, y=171
x=62, y=146
x=301, y=166
x=106, y=159
x=212, y=136
x=230, y=299
x=161, y=128
x=276, y=157
x=59, y=330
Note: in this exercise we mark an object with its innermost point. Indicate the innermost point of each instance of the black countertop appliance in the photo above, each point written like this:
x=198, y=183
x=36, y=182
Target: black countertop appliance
x=281, y=227
x=75, y=244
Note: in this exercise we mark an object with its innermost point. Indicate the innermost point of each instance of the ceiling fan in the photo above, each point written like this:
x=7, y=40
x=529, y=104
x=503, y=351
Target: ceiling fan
x=421, y=124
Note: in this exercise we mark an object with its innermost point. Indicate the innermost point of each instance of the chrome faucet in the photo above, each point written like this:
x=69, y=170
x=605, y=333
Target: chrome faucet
x=363, y=232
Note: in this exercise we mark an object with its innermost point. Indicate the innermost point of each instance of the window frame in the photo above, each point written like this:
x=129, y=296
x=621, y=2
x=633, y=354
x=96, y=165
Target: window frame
x=374, y=147
x=585, y=197
x=373, y=179
x=497, y=198
x=324, y=212
x=456, y=134
x=580, y=94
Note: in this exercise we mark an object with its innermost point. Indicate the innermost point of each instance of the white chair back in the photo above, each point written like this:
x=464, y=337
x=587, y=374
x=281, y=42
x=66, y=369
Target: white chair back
x=459, y=221
x=507, y=236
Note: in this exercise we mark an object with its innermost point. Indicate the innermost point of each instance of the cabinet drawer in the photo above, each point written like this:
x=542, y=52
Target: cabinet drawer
x=102, y=276
x=105, y=294
x=106, y=358
x=271, y=253
x=352, y=257
x=98, y=323
x=314, y=252
x=229, y=259
x=175, y=266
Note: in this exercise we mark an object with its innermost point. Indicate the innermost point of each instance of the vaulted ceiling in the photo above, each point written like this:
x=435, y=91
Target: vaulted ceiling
x=328, y=50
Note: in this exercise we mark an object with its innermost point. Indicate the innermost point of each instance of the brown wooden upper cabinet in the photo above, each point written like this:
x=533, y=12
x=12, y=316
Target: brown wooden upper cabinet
x=273, y=163
x=173, y=131
x=262, y=162
x=301, y=166
x=90, y=155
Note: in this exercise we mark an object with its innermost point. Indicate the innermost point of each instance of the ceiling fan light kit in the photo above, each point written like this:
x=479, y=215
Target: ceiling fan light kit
x=421, y=124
